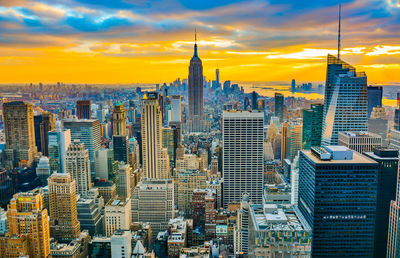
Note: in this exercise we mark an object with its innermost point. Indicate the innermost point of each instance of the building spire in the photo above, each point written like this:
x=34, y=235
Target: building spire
x=195, y=43
x=340, y=21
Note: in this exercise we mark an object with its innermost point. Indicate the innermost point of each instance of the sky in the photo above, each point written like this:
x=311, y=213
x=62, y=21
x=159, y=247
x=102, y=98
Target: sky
x=142, y=41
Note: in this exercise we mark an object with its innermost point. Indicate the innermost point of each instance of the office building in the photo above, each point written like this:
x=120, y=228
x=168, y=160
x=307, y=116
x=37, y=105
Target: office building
x=243, y=159
x=346, y=101
x=14, y=246
x=59, y=141
x=378, y=124
x=124, y=182
x=170, y=142
x=27, y=216
x=43, y=170
x=388, y=160
x=195, y=119
x=101, y=115
x=332, y=203
x=394, y=139
x=88, y=132
x=106, y=166
x=254, y=100
x=199, y=211
x=83, y=109
x=19, y=133
x=393, y=238
x=293, y=86
x=155, y=157
x=176, y=108
x=118, y=120
x=241, y=229
x=284, y=142
x=90, y=214
x=153, y=202
x=64, y=223
x=278, y=231
x=121, y=148
x=375, y=94
x=121, y=244
x=294, y=139
x=78, y=165
x=279, y=106
x=184, y=183
x=312, y=126
x=178, y=236
x=43, y=123
x=117, y=215
x=360, y=141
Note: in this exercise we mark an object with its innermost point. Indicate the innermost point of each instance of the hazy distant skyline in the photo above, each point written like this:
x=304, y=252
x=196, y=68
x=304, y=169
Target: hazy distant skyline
x=124, y=41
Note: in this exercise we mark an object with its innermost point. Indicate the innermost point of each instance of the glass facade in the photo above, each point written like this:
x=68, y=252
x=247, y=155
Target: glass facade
x=312, y=126
x=346, y=101
x=338, y=200
x=374, y=98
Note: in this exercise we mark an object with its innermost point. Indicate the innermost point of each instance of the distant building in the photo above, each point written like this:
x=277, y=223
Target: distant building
x=329, y=212
x=119, y=120
x=312, y=126
x=59, y=141
x=121, y=148
x=19, y=133
x=83, y=109
x=43, y=123
x=378, y=124
x=279, y=106
x=254, y=100
x=360, y=141
x=43, y=170
x=176, y=108
x=375, y=94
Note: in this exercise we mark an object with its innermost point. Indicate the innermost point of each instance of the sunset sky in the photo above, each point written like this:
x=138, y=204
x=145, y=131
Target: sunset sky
x=139, y=41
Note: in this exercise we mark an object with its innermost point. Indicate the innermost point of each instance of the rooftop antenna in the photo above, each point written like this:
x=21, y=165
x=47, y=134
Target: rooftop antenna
x=195, y=36
x=340, y=21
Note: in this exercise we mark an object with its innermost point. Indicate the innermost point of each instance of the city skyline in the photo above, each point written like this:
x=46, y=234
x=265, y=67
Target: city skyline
x=121, y=42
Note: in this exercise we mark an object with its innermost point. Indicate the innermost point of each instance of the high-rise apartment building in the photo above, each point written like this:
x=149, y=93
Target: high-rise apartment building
x=59, y=141
x=83, y=109
x=19, y=133
x=279, y=105
x=243, y=159
x=195, y=94
x=78, y=165
x=312, y=126
x=155, y=157
x=119, y=120
x=388, y=160
x=360, y=141
x=27, y=216
x=375, y=94
x=346, y=101
x=64, y=224
x=43, y=123
x=337, y=196
x=88, y=132
x=153, y=201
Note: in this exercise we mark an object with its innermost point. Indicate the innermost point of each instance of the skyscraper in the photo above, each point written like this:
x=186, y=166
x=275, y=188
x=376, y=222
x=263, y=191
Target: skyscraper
x=254, y=100
x=294, y=141
x=83, y=109
x=243, y=155
x=43, y=124
x=393, y=240
x=87, y=131
x=64, y=224
x=19, y=133
x=293, y=85
x=378, y=123
x=59, y=141
x=312, y=126
x=346, y=101
x=155, y=158
x=121, y=148
x=284, y=139
x=176, y=108
x=374, y=98
x=78, y=165
x=195, y=93
x=27, y=216
x=279, y=104
x=338, y=197
x=217, y=78
x=388, y=160
x=119, y=120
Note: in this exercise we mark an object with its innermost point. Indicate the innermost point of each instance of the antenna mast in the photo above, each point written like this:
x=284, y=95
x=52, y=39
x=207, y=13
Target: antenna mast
x=340, y=21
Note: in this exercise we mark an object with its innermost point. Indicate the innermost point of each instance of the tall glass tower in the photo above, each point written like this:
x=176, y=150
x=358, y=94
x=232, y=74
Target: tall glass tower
x=346, y=101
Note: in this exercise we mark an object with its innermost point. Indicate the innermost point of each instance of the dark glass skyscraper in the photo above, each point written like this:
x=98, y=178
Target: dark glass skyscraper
x=388, y=160
x=195, y=94
x=337, y=196
x=346, y=101
x=312, y=126
x=374, y=98
x=279, y=103
x=254, y=102
x=83, y=110
x=121, y=148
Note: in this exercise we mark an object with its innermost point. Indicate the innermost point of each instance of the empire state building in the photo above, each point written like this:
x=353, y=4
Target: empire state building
x=195, y=121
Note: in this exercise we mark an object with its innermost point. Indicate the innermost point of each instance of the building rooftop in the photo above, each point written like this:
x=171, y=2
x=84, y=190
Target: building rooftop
x=357, y=158
x=243, y=113
x=359, y=134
